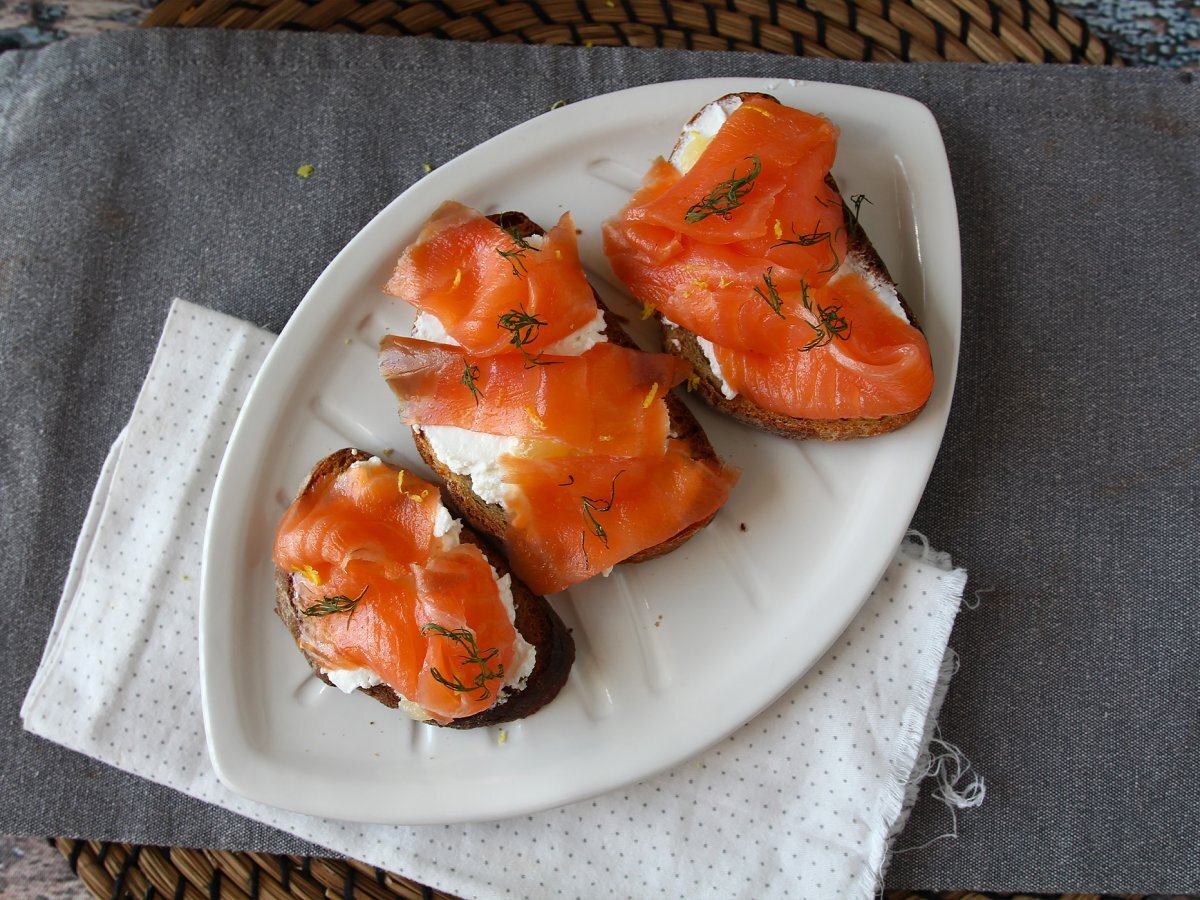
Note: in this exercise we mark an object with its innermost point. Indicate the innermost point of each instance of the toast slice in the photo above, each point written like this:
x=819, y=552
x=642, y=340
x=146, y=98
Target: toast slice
x=860, y=254
x=534, y=619
x=490, y=518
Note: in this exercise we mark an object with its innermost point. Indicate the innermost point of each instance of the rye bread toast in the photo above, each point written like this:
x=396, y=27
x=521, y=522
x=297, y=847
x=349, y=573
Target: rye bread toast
x=861, y=254
x=535, y=620
x=490, y=518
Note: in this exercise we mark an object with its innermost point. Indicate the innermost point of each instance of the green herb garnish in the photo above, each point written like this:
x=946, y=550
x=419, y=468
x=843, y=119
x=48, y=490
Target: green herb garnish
x=524, y=329
x=591, y=506
x=830, y=324
x=852, y=226
x=771, y=296
x=811, y=239
x=726, y=196
x=516, y=256
x=327, y=606
x=464, y=638
x=469, y=376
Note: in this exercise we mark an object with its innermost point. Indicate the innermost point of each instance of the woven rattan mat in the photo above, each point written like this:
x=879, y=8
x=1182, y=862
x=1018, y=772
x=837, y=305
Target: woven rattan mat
x=119, y=870
x=891, y=30
x=917, y=30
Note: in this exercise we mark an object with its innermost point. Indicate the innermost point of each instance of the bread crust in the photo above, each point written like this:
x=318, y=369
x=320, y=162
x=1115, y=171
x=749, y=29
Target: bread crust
x=490, y=518
x=535, y=620
x=683, y=343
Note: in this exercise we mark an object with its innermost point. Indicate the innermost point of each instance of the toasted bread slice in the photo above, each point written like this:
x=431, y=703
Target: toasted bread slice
x=490, y=518
x=535, y=620
x=860, y=253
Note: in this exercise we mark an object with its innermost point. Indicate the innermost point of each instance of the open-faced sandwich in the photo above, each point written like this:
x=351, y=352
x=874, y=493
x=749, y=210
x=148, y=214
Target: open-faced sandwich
x=386, y=593
x=763, y=279
x=554, y=434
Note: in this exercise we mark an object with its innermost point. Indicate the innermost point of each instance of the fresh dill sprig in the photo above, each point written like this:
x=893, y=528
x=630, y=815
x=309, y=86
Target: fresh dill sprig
x=516, y=256
x=812, y=239
x=852, y=226
x=771, y=295
x=469, y=376
x=472, y=657
x=830, y=324
x=804, y=298
x=592, y=505
x=726, y=196
x=524, y=329
x=328, y=606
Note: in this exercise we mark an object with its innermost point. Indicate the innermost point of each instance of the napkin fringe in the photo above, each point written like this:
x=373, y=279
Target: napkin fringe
x=919, y=722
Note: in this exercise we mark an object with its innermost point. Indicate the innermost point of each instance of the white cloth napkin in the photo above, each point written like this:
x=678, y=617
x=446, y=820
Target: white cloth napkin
x=803, y=801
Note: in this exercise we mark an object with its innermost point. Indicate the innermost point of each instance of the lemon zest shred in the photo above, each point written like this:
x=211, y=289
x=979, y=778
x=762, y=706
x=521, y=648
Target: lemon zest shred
x=647, y=310
x=310, y=573
x=650, y=395
x=502, y=736
x=558, y=254
x=693, y=381
x=604, y=437
x=457, y=278
x=760, y=111
x=535, y=418
x=415, y=498
x=703, y=285
x=724, y=284
x=778, y=229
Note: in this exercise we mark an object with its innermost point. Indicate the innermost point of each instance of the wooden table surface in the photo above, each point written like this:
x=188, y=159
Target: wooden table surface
x=31, y=867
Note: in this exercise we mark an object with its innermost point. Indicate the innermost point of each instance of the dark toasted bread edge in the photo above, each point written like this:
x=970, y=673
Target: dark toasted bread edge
x=535, y=620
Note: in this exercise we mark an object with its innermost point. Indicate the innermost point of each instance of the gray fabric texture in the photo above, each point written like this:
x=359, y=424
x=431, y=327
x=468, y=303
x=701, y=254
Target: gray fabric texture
x=143, y=166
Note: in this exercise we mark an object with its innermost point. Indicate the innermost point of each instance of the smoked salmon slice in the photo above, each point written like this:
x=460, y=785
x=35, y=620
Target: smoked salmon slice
x=718, y=291
x=761, y=241
x=753, y=249
x=624, y=413
x=759, y=186
x=586, y=410
x=877, y=365
x=572, y=517
x=492, y=289
x=379, y=591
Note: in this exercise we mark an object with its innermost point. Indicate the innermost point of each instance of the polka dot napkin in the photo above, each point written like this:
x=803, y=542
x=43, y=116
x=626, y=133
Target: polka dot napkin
x=802, y=801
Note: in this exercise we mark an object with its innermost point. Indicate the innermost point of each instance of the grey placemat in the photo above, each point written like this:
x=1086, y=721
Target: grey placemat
x=138, y=167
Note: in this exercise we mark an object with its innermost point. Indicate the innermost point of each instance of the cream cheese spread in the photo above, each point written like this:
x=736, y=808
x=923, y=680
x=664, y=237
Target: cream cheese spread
x=472, y=453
